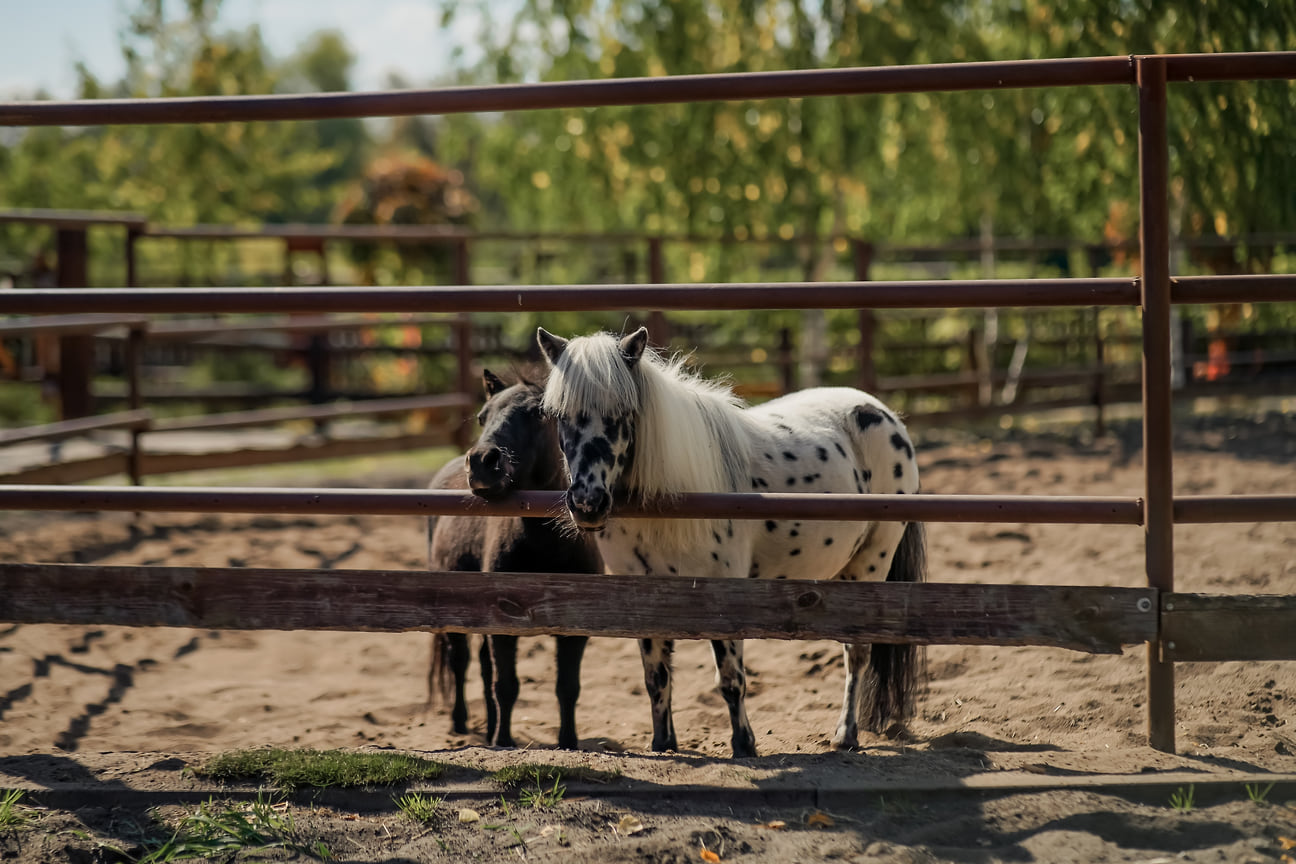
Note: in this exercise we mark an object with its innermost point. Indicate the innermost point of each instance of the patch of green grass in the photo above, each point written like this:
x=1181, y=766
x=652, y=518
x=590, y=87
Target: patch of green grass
x=542, y=797
x=216, y=830
x=293, y=769
x=1182, y=799
x=418, y=807
x=1257, y=793
x=12, y=814
x=532, y=772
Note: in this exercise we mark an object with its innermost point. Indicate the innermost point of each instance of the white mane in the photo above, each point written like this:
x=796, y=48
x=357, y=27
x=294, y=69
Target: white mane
x=691, y=435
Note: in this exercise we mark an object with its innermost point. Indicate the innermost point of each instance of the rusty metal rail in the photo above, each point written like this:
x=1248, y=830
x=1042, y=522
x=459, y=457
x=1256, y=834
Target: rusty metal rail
x=1059, y=509
x=1094, y=510
x=645, y=91
x=554, y=298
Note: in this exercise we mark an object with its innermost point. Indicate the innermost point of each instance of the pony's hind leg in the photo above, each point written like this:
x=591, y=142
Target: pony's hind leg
x=872, y=562
x=656, y=655
x=733, y=686
x=847, y=735
x=503, y=653
x=570, y=651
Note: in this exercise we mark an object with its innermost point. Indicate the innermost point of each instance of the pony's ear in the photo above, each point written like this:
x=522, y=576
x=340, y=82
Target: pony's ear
x=551, y=346
x=632, y=346
x=492, y=382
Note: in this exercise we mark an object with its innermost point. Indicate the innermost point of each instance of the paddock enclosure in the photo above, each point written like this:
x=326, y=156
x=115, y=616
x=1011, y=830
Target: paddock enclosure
x=1176, y=627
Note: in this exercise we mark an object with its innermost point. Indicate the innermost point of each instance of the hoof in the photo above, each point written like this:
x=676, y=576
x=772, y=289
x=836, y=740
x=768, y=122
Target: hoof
x=844, y=742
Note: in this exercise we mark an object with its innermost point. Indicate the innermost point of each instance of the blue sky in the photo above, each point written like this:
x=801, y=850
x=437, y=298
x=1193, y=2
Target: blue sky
x=41, y=40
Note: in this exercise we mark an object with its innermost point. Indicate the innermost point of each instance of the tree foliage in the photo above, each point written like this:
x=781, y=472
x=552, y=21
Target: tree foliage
x=926, y=166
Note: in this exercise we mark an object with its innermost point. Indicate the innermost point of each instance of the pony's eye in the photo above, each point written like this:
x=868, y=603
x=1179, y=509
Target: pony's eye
x=481, y=417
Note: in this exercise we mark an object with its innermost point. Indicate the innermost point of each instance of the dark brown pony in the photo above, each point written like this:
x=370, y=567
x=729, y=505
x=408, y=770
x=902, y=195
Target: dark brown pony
x=517, y=449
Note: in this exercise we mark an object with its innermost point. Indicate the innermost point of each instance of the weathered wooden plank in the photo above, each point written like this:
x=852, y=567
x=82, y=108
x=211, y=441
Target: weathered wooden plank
x=1096, y=620
x=64, y=473
x=1210, y=627
x=67, y=473
x=139, y=418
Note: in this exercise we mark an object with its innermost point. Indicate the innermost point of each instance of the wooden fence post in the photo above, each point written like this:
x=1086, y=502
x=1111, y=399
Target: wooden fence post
x=135, y=398
x=463, y=333
x=76, y=352
x=1099, y=382
x=866, y=369
x=1158, y=440
x=786, y=361
x=658, y=326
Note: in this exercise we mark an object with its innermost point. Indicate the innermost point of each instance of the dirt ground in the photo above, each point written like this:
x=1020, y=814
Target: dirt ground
x=1009, y=759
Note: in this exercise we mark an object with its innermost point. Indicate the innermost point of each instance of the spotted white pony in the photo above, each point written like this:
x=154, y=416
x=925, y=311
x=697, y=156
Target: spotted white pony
x=635, y=426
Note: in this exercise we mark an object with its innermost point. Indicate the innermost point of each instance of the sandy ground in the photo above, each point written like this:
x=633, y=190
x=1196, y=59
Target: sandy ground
x=114, y=708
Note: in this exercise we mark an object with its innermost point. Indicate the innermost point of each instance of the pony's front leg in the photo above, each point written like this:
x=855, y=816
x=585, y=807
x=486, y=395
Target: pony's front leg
x=488, y=686
x=458, y=653
x=570, y=651
x=847, y=736
x=656, y=655
x=733, y=686
x=503, y=652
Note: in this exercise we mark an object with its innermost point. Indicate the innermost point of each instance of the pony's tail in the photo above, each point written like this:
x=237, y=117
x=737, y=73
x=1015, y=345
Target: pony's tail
x=440, y=681
x=898, y=669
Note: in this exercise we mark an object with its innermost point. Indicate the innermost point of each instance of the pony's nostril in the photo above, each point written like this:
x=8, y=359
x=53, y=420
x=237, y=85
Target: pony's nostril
x=485, y=460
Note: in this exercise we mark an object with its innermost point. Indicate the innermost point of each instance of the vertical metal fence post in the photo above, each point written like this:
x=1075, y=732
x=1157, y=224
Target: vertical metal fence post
x=1154, y=249
x=865, y=367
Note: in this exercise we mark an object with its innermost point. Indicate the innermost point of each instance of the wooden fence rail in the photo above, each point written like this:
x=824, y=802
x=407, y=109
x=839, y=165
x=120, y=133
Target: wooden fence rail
x=1096, y=620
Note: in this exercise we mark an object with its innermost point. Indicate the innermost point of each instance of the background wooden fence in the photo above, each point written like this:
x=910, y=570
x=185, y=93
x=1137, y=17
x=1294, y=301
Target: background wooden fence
x=1092, y=371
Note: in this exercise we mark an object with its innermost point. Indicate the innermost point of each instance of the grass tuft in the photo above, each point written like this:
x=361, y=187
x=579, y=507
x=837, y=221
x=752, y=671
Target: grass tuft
x=294, y=769
x=219, y=830
x=1257, y=793
x=13, y=815
x=418, y=807
x=1182, y=799
x=531, y=772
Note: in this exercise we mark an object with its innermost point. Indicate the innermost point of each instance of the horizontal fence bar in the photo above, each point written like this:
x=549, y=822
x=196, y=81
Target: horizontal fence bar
x=160, y=331
x=1239, y=66
x=1198, y=627
x=560, y=298
x=1262, y=288
x=433, y=502
x=577, y=94
x=62, y=324
x=1202, y=509
x=72, y=218
x=902, y=294
x=63, y=429
x=338, y=411
x=644, y=91
x=1095, y=620
x=309, y=449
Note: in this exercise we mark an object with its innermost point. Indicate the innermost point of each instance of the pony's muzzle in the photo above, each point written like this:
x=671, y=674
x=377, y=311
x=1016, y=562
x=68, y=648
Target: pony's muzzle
x=487, y=472
x=589, y=509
